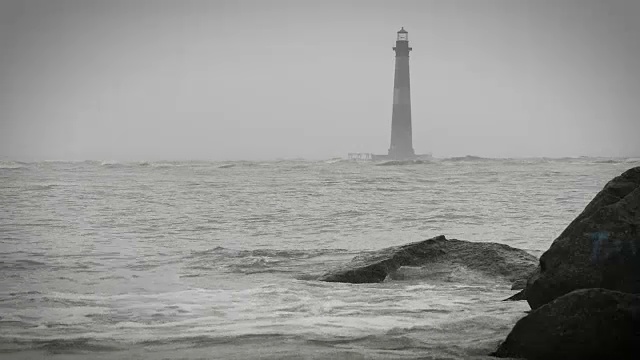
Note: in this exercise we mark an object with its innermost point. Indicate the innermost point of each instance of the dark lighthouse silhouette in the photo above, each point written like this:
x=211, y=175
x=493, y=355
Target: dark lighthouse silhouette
x=401, y=147
x=401, y=135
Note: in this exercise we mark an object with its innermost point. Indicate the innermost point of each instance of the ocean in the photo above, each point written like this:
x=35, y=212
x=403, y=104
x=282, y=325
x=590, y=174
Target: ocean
x=219, y=260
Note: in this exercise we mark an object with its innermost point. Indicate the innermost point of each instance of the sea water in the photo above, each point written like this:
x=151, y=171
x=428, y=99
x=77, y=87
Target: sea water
x=219, y=260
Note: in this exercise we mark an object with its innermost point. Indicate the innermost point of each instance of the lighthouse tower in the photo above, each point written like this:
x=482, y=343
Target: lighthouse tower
x=401, y=137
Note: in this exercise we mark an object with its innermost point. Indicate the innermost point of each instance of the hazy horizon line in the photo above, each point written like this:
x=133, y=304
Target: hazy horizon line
x=468, y=156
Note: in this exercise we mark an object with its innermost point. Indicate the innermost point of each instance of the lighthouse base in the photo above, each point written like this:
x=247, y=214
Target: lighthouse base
x=423, y=157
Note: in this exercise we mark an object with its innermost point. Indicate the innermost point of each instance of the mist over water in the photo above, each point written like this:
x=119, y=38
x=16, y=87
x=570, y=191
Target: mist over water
x=108, y=259
x=260, y=80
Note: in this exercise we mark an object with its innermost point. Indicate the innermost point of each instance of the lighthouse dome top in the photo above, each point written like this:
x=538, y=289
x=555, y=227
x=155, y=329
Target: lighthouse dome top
x=402, y=35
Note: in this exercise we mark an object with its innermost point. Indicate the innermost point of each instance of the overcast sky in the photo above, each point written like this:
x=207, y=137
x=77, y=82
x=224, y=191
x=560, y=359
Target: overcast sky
x=225, y=80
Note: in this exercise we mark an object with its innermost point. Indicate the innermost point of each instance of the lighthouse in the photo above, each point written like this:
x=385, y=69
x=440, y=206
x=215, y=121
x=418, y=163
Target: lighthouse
x=401, y=136
x=401, y=147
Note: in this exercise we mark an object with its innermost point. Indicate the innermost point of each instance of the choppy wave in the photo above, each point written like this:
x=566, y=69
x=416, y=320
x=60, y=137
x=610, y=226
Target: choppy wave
x=335, y=160
x=402, y=162
x=301, y=164
x=467, y=158
x=44, y=186
x=56, y=345
x=152, y=164
x=191, y=261
x=367, y=320
x=263, y=260
x=615, y=160
x=275, y=253
x=20, y=264
x=11, y=165
x=111, y=163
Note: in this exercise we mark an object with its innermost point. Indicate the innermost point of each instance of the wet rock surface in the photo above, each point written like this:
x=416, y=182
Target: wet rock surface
x=438, y=259
x=584, y=324
x=519, y=296
x=599, y=249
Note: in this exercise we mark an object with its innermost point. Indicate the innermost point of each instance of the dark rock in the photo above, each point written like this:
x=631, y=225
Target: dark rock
x=519, y=284
x=438, y=258
x=584, y=324
x=521, y=295
x=599, y=249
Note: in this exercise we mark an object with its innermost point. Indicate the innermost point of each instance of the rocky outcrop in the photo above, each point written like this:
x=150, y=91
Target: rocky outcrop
x=599, y=249
x=438, y=258
x=583, y=324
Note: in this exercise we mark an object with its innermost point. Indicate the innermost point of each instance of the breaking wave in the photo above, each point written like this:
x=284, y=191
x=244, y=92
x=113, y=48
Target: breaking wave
x=335, y=160
x=262, y=260
x=402, y=162
x=11, y=165
x=467, y=158
x=111, y=163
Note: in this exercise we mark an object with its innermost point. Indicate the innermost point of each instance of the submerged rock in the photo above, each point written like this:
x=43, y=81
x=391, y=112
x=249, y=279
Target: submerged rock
x=438, y=258
x=584, y=324
x=599, y=249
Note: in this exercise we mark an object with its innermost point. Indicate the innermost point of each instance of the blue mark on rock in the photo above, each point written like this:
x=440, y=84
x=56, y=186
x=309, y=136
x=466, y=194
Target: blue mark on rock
x=597, y=241
x=633, y=247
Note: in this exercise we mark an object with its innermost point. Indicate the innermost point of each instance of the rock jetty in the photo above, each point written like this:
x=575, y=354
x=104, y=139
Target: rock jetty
x=585, y=293
x=599, y=249
x=583, y=324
